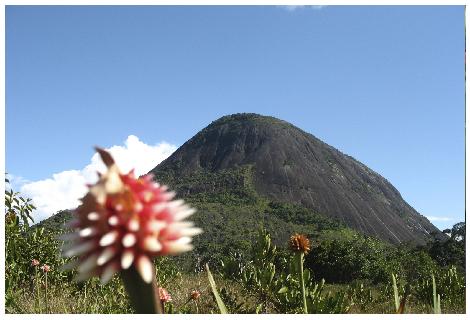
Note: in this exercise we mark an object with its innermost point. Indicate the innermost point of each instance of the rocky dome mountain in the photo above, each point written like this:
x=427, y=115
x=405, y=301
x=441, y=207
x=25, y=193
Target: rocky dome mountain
x=281, y=162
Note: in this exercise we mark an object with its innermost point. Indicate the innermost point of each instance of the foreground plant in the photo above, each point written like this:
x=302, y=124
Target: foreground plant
x=45, y=269
x=194, y=295
x=299, y=245
x=35, y=264
x=164, y=297
x=122, y=224
x=220, y=303
x=259, y=278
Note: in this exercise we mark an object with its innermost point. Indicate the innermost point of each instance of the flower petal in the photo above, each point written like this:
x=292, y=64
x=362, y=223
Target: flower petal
x=145, y=267
x=108, y=272
x=133, y=225
x=90, y=231
x=87, y=275
x=68, y=236
x=78, y=248
x=190, y=232
x=107, y=254
x=70, y=265
x=152, y=244
x=155, y=226
x=127, y=257
x=129, y=240
x=93, y=216
x=114, y=221
x=89, y=263
x=177, y=246
x=71, y=224
x=183, y=214
x=109, y=238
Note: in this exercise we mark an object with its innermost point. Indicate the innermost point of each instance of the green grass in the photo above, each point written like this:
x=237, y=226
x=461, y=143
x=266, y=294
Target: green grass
x=92, y=298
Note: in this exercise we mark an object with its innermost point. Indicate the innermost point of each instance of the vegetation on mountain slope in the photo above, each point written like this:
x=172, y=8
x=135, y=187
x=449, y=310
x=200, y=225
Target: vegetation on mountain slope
x=362, y=265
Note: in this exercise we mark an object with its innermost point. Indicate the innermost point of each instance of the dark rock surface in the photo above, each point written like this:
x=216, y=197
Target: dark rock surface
x=295, y=167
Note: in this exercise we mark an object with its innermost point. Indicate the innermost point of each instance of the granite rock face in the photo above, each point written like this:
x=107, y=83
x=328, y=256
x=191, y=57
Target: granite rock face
x=294, y=166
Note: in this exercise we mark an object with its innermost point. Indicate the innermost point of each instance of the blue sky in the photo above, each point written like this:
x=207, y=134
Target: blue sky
x=383, y=84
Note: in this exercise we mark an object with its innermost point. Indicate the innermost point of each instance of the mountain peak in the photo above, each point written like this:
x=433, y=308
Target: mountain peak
x=287, y=164
x=250, y=117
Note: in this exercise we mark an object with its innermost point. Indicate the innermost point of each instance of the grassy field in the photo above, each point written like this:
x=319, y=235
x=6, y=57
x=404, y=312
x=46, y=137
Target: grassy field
x=93, y=298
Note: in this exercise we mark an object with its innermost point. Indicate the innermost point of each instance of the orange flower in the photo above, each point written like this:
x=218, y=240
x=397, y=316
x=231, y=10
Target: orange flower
x=298, y=243
x=124, y=221
x=195, y=295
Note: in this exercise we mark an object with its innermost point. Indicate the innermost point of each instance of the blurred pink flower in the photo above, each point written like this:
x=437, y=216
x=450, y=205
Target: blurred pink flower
x=34, y=263
x=124, y=221
x=164, y=296
x=43, y=284
x=45, y=268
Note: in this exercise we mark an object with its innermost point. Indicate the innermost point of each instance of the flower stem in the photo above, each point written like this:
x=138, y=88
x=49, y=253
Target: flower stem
x=144, y=296
x=45, y=295
x=197, y=308
x=300, y=256
x=37, y=289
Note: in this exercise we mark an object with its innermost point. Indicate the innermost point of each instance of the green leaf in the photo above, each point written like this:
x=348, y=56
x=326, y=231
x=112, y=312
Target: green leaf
x=436, y=297
x=220, y=303
x=282, y=290
x=29, y=216
x=306, y=276
x=258, y=309
x=395, y=292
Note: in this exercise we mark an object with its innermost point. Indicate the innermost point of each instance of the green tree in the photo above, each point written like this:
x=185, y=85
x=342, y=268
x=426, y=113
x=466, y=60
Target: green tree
x=450, y=252
x=16, y=206
x=344, y=260
x=457, y=232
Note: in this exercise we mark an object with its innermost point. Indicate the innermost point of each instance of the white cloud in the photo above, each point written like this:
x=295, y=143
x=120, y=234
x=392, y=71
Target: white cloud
x=430, y=218
x=14, y=181
x=291, y=8
x=64, y=190
x=295, y=7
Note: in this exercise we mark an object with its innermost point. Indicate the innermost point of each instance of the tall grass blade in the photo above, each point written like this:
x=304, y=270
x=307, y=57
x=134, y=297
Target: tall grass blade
x=407, y=291
x=220, y=303
x=437, y=297
x=63, y=305
x=402, y=306
x=395, y=292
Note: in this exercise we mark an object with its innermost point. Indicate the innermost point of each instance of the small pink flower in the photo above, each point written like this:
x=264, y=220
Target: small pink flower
x=34, y=263
x=45, y=268
x=124, y=221
x=164, y=296
x=43, y=284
